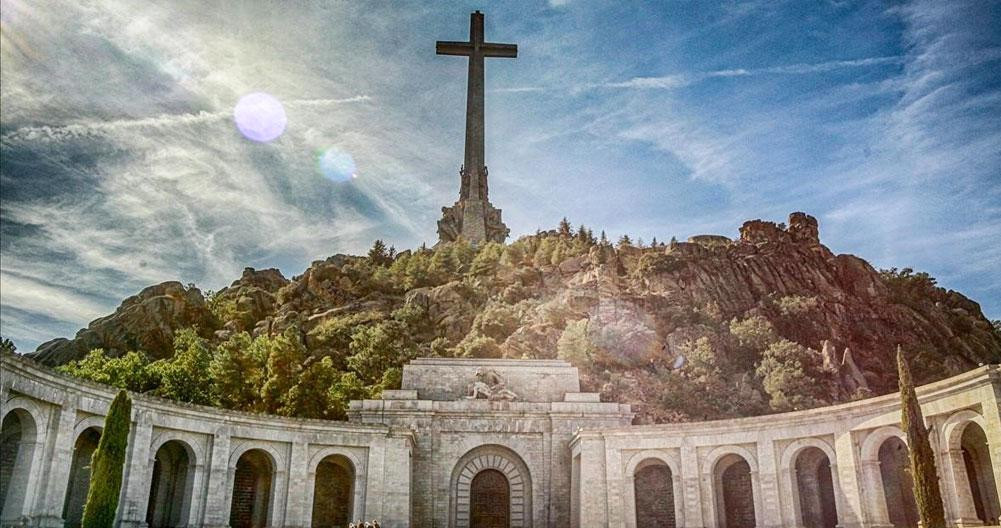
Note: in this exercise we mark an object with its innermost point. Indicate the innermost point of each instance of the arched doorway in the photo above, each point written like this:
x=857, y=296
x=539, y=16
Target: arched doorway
x=517, y=483
x=333, y=492
x=252, y=483
x=79, y=480
x=17, y=447
x=979, y=472
x=653, y=487
x=735, y=493
x=490, y=500
x=898, y=488
x=170, y=491
x=815, y=487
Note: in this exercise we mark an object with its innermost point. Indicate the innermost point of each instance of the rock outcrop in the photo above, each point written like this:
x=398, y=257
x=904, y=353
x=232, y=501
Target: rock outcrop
x=145, y=321
x=644, y=307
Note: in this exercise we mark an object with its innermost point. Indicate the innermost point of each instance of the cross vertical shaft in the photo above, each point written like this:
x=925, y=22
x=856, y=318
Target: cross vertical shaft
x=474, y=173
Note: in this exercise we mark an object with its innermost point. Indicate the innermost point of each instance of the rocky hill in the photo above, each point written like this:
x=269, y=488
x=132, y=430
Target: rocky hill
x=707, y=328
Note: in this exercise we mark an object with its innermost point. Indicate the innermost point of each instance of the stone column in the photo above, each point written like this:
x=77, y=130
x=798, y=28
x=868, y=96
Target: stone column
x=956, y=489
x=375, y=479
x=217, y=496
x=56, y=474
x=768, y=486
x=614, y=483
x=789, y=488
x=593, y=495
x=138, y=473
x=845, y=470
x=691, y=492
x=876, y=513
x=299, y=511
x=629, y=501
x=992, y=417
x=396, y=484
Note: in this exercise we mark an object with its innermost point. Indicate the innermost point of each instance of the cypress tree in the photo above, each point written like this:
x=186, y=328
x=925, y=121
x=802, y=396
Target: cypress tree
x=926, y=490
x=106, y=465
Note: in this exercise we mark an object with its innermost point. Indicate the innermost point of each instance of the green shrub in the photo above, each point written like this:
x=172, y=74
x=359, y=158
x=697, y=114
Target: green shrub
x=107, y=464
x=926, y=490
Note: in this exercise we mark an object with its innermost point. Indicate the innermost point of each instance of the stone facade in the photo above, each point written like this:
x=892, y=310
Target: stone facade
x=439, y=451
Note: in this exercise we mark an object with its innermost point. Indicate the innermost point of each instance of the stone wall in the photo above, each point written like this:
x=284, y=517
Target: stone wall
x=849, y=436
x=61, y=409
x=571, y=460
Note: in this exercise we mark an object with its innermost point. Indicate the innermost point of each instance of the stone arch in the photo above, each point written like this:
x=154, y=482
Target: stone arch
x=79, y=476
x=172, y=484
x=874, y=473
x=970, y=468
x=253, y=473
x=88, y=422
x=898, y=486
x=19, y=447
x=655, y=500
x=636, y=463
x=333, y=501
x=359, y=483
x=811, y=483
x=730, y=471
x=715, y=463
x=507, y=463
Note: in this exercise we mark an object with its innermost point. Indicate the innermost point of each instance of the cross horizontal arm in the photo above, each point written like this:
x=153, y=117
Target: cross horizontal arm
x=448, y=47
x=491, y=49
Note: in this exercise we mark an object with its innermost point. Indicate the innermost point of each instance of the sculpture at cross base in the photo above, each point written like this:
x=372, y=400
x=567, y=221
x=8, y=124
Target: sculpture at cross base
x=473, y=217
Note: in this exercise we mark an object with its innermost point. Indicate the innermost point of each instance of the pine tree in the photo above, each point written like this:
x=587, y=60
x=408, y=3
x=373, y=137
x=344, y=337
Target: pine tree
x=926, y=490
x=379, y=254
x=107, y=464
x=566, y=230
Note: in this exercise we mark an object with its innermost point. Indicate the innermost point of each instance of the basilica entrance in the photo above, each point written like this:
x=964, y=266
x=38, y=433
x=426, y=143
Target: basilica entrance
x=490, y=500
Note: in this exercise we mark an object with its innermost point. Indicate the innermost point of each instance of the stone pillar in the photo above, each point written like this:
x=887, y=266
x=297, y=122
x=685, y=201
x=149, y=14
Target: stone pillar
x=876, y=514
x=845, y=470
x=138, y=473
x=396, y=484
x=56, y=474
x=691, y=492
x=789, y=488
x=299, y=511
x=956, y=491
x=375, y=480
x=992, y=417
x=217, y=496
x=614, y=483
x=770, y=513
x=593, y=495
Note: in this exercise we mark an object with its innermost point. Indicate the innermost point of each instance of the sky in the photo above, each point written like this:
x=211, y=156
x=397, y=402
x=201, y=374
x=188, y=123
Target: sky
x=121, y=163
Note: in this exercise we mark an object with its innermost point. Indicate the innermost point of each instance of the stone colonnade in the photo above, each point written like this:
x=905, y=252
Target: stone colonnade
x=193, y=465
x=836, y=466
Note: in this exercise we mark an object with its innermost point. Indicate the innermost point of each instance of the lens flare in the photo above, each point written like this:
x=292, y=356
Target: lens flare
x=260, y=117
x=337, y=165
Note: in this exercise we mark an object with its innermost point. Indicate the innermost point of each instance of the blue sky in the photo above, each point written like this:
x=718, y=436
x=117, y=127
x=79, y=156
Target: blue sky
x=122, y=167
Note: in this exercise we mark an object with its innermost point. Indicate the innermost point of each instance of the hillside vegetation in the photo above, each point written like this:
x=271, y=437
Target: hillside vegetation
x=708, y=328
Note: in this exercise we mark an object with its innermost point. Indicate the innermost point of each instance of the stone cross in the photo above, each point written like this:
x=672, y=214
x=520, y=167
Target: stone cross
x=474, y=173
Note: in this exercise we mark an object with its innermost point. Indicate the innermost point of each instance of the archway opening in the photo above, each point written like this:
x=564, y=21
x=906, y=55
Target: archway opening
x=17, y=444
x=252, y=483
x=735, y=495
x=333, y=492
x=977, y=459
x=816, y=489
x=79, y=478
x=898, y=487
x=653, y=486
x=170, y=490
x=490, y=500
